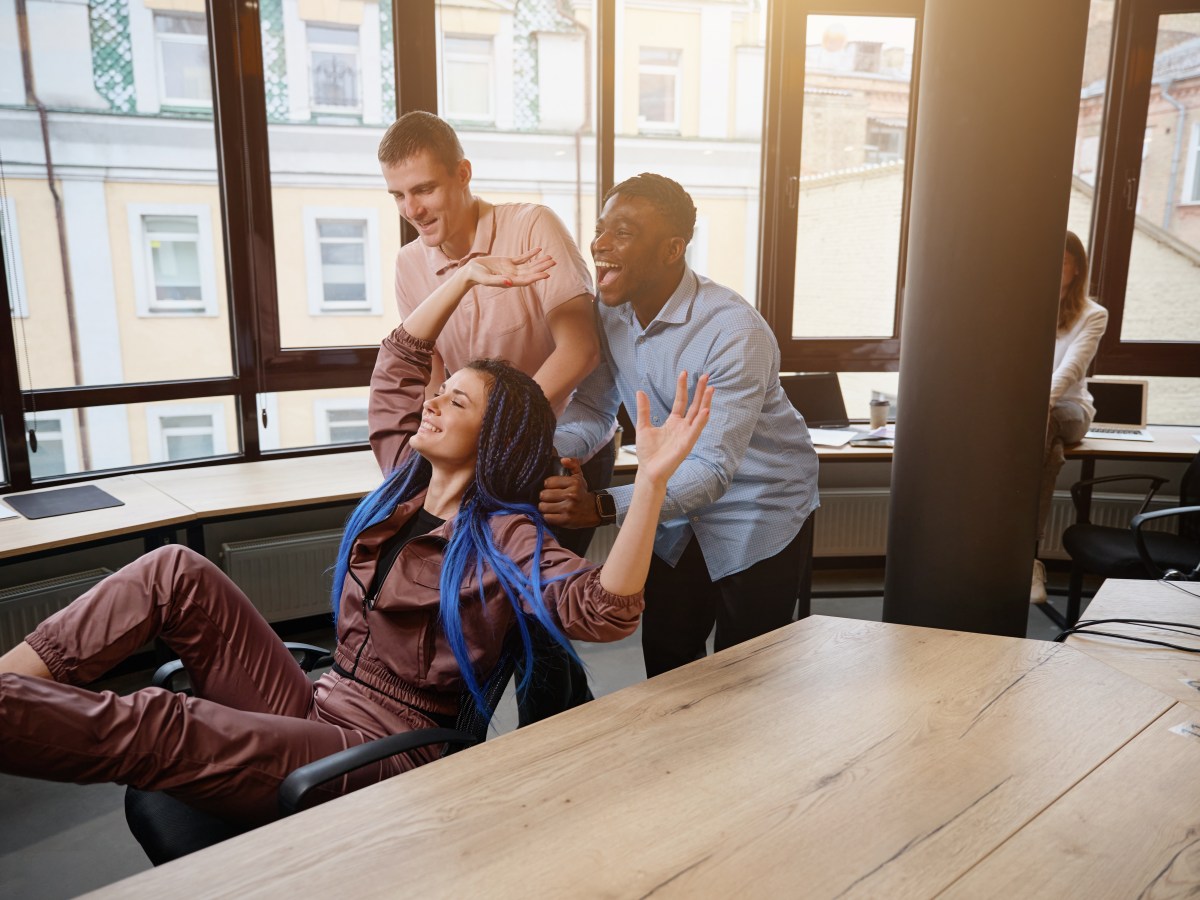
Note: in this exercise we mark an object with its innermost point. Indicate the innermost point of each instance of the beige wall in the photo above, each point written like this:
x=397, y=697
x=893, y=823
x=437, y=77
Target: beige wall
x=470, y=20
x=45, y=332
x=660, y=28
x=336, y=12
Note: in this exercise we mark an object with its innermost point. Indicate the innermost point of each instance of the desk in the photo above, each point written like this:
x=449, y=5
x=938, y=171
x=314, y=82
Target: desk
x=147, y=512
x=829, y=758
x=1174, y=672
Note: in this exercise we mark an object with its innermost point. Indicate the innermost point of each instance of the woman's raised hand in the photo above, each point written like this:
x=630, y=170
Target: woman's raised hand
x=509, y=271
x=660, y=450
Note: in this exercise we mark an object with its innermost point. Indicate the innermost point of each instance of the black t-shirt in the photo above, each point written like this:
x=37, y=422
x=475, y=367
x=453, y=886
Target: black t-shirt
x=421, y=523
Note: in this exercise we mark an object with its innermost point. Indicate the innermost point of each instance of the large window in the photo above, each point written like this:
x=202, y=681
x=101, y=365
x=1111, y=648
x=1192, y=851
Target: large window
x=206, y=309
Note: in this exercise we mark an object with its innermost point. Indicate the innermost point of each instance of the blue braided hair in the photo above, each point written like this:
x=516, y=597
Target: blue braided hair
x=513, y=458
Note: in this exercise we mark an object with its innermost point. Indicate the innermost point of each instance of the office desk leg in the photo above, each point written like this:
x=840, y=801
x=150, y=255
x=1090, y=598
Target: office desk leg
x=1087, y=471
x=194, y=538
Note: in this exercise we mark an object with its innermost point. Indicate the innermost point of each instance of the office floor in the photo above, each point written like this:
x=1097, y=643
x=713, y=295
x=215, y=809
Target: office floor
x=61, y=840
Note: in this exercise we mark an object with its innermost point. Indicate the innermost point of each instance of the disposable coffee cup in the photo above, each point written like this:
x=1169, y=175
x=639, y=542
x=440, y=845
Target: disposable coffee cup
x=879, y=411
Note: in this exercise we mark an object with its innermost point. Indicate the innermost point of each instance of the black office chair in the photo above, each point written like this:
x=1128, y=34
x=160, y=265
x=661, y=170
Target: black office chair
x=1135, y=552
x=168, y=828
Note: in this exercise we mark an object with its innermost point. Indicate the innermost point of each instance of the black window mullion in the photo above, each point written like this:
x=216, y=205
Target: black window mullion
x=16, y=462
x=414, y=40
x=606, y=66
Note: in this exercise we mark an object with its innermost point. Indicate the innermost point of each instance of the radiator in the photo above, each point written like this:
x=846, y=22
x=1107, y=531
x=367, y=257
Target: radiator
x=23, y=607
x=853, y=522
x=286, y=577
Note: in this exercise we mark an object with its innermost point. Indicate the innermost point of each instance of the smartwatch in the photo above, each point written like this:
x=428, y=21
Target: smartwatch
x=606, y=507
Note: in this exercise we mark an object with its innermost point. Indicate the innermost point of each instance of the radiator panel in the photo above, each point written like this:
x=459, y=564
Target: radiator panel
x=23, y=607
x=285, y=577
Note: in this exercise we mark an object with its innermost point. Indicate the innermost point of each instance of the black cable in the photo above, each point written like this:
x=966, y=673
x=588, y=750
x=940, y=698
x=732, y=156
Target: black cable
x=1086, y=627
x=1179, y=587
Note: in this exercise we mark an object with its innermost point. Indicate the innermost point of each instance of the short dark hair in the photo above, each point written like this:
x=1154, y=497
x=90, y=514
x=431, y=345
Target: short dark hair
x=667, y=196
x=415, y=132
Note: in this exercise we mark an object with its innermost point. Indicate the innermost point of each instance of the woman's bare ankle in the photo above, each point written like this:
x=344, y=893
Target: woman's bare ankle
x=21, y=660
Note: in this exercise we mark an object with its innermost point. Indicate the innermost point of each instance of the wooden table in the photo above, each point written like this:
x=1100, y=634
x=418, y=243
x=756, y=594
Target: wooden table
x=147, y=512
x=1174, y=672
x=831, y=758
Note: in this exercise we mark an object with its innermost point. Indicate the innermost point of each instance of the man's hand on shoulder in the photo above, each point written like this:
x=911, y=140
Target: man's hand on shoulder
x=565, y=499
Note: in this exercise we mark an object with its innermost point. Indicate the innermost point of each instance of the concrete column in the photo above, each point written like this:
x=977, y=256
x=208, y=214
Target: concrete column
x=999, y=100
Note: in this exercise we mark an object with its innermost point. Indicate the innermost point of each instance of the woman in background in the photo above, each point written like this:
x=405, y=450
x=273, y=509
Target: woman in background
x=1081, y=324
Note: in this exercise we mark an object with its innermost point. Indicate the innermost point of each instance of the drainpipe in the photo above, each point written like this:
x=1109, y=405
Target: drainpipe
x=1180, y=122
x=564, y=8
x=31, y=99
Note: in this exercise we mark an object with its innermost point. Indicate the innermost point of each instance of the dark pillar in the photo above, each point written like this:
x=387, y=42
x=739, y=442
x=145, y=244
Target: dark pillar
x=999, y=99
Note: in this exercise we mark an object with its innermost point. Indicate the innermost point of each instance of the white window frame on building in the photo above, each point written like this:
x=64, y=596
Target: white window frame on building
x=66, y=436
x=347, y=48
x=321, y=417
x=18, y=299
x=181, y=38
x=671, y=69
x=697, y=248
x=466, y=52
x=145, y=284
x=314, y=265
x=157, y=435
x=1191, y=179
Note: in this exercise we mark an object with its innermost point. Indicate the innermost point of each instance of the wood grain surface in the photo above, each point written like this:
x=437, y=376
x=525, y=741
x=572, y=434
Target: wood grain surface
x=831, y=758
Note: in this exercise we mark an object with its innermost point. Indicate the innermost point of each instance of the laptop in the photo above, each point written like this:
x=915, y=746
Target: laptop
x=1120, y=410
x=818, y=397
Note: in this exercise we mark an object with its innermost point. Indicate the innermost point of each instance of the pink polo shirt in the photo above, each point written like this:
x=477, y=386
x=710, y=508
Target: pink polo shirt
x=506, y=323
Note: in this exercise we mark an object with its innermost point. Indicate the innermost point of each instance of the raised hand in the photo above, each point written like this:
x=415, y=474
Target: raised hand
x=660, y=450
x=509, y=271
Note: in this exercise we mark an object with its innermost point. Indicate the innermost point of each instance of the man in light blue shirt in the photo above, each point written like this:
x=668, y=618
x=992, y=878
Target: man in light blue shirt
x=735, y=532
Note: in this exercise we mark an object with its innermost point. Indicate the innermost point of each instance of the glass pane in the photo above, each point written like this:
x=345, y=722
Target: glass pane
x=330, y=92
x=860, y=388
x=857, y=82
x=514, y=80
x=136, y=434
x=134, y=174
x=1172, y=401
x=314, y=418
x=689, y=92
x=1091, y=113
x=1162, y=297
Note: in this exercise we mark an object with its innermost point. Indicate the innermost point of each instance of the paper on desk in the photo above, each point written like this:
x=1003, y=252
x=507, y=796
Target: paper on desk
x=832, y=437
x=1197, y=437
x=7, y=512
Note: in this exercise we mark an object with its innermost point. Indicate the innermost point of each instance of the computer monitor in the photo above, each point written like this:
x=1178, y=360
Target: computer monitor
x=1119, y=404
x=818, y=397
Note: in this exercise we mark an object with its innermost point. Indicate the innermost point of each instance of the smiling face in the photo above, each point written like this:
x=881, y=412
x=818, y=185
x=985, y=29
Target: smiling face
x=437, y=202
x=451, y=421
x=638, y=259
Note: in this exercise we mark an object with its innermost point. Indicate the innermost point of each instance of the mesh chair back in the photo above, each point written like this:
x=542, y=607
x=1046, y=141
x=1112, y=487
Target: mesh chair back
x=475, y=721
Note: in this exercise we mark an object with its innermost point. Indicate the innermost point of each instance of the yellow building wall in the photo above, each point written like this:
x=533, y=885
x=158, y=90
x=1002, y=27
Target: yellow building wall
x=337, y=12
x=45, y=332
x=470, y=20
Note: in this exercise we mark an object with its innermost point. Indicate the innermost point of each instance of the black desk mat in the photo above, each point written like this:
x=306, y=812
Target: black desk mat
x=61, y=501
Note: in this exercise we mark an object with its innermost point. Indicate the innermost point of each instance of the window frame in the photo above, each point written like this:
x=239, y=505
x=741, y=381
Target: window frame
x=314, y=269
x=156, y=434
x=1122, y=150
x=489, y=118
x=1191, y=178
x=322, y=406
x=354, y=49
x=782, y=142
x=144, y=284
x=171, y=37
x=69, y=440
x=647, y=126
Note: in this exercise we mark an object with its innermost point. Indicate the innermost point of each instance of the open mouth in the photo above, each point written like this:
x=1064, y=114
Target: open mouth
x=428, y=427
x=606, y=273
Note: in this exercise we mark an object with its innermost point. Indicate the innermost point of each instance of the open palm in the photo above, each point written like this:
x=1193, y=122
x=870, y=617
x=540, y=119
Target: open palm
x=510, y=271
x=661, y=449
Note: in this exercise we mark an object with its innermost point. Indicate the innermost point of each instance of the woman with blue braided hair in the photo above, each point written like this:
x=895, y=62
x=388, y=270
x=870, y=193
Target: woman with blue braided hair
x=437, y=567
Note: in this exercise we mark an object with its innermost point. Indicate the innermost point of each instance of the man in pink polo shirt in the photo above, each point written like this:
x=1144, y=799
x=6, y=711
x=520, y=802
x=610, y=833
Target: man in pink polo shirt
x=548, y=329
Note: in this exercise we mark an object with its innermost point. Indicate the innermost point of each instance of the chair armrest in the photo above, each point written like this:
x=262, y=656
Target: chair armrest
x=1142, y=518
x=1155, y=483
x=309, y=656
x=297, y=785
x=164, y=676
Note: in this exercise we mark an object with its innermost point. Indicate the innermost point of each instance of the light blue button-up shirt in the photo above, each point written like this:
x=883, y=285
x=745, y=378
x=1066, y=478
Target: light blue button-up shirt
x=751, y=480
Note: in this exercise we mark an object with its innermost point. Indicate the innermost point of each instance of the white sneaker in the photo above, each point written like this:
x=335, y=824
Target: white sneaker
x=1037, y=587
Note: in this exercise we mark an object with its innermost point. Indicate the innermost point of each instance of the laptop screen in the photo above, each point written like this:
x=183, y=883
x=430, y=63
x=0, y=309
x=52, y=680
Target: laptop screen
x=1118, y=402
x=818, y=397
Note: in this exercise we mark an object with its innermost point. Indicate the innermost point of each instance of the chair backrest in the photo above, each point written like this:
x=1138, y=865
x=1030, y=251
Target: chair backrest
x=475, y=721
x=1189, y=495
